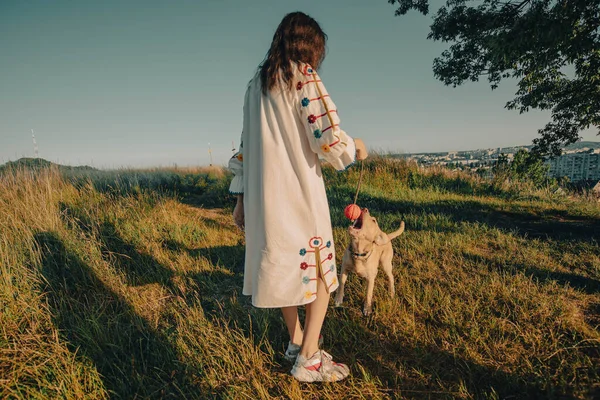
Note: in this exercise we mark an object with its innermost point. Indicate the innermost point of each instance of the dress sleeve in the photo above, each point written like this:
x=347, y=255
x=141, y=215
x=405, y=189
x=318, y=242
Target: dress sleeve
x=236, y=165
x=322, y=123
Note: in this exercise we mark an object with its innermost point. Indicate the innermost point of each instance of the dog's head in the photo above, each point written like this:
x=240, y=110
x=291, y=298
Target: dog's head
x=365, y=231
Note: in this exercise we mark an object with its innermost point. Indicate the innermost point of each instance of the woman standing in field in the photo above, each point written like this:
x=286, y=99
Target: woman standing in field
x=289, y=122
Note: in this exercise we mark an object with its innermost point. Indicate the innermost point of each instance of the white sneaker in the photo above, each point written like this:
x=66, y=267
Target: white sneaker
x=294, y=349
x=319, y=368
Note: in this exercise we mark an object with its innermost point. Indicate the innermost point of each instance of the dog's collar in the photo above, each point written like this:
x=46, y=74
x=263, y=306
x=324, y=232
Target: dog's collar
x=361, y=255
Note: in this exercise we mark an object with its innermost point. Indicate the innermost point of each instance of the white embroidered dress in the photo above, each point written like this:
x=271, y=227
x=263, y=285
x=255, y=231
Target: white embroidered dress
x=289, y=238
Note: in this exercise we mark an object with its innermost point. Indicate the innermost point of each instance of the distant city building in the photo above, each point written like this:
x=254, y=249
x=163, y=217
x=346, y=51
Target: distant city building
x=579, y=166
x=580, y=161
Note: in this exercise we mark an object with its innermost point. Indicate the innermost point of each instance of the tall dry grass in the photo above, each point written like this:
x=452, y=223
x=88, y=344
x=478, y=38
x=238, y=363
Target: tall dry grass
x=133, y=290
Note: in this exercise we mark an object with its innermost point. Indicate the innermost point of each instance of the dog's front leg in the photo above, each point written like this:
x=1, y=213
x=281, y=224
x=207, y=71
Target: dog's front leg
x=339, y=297
x=368, y=308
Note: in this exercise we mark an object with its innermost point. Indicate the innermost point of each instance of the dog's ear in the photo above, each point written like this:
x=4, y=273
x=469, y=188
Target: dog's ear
x=381, y=239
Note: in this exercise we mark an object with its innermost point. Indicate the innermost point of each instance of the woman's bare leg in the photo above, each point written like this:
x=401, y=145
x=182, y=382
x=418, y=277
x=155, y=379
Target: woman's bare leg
x=315, y=315
x=290, y=315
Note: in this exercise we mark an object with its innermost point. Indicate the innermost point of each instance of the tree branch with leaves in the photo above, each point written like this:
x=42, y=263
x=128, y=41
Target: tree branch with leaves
x=551, y=47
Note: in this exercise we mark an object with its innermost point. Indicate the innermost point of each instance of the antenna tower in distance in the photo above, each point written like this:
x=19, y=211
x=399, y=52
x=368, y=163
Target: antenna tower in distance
x=35, y=146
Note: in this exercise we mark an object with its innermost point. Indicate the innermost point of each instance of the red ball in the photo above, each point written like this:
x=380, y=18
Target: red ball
x=352, y=212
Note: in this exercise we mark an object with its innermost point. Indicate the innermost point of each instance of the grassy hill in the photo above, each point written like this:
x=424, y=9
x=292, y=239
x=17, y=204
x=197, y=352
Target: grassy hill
x=128, y=284
x=40, y=163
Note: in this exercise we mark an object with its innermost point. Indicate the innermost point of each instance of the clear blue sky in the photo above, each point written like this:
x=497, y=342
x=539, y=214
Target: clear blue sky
x=151, y=83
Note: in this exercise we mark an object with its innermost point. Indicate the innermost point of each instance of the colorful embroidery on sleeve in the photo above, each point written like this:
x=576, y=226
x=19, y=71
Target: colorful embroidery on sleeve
x=323, y=101
x=312, y=118
x=329, y=127
x=300, y=85
x=306, y=101
x=307, y=71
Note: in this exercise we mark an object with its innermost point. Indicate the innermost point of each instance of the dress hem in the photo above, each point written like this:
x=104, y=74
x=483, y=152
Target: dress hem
x=287, y=305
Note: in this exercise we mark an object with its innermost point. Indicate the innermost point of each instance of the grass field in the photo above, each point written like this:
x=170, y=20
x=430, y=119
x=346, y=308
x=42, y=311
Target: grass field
x=128, y=285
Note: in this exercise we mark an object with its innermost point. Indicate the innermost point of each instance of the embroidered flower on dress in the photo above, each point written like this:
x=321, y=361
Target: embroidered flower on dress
x=303, y=266
x=312, y=119
x=329, y=243
x=308, y=295
x=318, y=133
x=325, y=148
x=302, y=252
x=332, y=268
x=315, y=242
x=305, y=102
x=306, y=280
x=299, y=86
x=330, y=256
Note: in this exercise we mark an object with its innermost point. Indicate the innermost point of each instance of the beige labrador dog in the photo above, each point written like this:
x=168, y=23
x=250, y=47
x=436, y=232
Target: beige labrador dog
x=369, y=249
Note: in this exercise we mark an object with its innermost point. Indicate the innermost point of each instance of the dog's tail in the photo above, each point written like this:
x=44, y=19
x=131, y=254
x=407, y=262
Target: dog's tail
x=399, y=232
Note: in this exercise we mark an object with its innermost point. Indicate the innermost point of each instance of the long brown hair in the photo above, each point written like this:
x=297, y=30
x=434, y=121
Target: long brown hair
x=299, y=39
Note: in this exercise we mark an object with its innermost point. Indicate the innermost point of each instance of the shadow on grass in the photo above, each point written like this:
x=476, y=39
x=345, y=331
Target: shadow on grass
x=223, y=280
x=213, y=199
x=137, y=268
x=132, y=358
x=413, y=370
x=229, y=257
x=220, y=289
x=210, y=289
x=579, y=282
